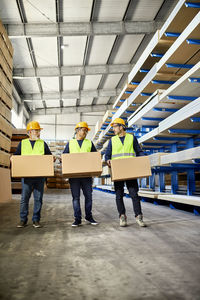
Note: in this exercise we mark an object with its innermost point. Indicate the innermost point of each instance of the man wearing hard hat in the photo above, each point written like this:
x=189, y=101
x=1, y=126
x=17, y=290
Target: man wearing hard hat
x=124, y=145
x=32, y=146
x=79, y=145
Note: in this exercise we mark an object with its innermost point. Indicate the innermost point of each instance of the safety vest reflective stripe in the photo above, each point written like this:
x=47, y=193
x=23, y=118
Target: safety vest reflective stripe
x=122, y=154
x=120, y=150
x=75, y=148
x=27, y=149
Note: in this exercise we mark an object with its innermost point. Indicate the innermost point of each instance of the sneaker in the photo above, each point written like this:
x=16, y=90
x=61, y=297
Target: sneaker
x=91, y=221
x=123, y=221
x=139, y=221
x=22, y=224
x=36, y=224
x=76, y=223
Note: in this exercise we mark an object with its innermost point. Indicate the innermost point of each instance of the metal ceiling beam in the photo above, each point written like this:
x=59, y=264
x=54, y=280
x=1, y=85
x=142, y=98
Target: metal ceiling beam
x=72, y=109
x=72, y=94
x=81, y=29
x=19, y=73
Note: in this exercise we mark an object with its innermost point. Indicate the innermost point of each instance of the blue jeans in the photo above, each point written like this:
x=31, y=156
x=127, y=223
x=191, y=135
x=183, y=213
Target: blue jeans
x=37, y=186
x=76, y=184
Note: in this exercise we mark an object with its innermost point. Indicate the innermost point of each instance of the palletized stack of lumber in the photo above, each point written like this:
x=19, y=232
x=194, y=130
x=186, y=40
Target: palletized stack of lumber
x=58, y=181
x=17, y=136
x=6, y=65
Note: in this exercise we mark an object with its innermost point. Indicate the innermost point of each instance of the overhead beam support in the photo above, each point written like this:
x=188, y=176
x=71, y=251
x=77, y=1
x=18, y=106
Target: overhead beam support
x=19, y=73
x=72, y=94
x=16, y=30
x=72, y=109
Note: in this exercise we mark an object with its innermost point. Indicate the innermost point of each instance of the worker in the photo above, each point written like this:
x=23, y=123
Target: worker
x=124, y=145
x=80, y=144
x=32, y=146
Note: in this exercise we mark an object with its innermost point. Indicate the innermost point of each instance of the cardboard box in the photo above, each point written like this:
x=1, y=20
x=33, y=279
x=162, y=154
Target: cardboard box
x=81, y=164
x=130, y=168
x=5, y=185
x=32, y=166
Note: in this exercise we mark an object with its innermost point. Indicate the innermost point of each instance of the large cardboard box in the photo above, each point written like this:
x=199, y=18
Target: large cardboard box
x=5, y=185
x=32, y=166
x=81, y=164
x=130, y=168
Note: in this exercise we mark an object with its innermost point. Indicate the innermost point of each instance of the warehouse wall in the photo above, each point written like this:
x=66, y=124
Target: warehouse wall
x=61, y=127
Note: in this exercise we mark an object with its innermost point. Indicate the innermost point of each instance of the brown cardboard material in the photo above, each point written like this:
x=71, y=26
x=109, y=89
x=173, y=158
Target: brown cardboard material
x=130, y=168
x=32, y=166
x=5, y=185
x=81, y=164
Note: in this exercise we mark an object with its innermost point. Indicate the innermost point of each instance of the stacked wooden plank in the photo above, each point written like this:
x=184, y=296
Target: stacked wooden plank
x=6, y=65
x=58, y=181
x=17, y=136
x=100, y=126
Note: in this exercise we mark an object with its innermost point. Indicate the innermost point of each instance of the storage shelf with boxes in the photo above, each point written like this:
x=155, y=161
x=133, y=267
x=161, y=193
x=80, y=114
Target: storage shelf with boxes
x=6, y=65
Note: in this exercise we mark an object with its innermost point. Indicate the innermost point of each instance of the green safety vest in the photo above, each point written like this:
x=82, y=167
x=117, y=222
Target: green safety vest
x=120, y=150
x=75, y=148
x=26, y=147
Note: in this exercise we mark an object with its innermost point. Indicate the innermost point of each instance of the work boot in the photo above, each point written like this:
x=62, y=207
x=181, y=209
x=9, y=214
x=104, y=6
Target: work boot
x=22, y=224
x=76, y=223
x=139, y=221
x=123, y=221
x=36, y=224
x=91, y=221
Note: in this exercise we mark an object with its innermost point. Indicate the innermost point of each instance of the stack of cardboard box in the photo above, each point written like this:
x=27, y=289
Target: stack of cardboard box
x=6, y=65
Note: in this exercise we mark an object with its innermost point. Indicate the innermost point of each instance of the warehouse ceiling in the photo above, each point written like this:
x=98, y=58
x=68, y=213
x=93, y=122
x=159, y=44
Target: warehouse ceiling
x=76, y=53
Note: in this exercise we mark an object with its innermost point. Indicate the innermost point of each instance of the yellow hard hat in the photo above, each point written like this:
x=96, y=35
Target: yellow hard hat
x=82, y=124
x=33, y=125
x=118, y=121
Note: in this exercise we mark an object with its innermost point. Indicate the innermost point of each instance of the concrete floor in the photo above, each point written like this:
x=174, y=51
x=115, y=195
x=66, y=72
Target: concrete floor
x=59, y=262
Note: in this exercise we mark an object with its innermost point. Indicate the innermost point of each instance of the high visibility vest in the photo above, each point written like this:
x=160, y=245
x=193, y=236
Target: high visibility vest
x=26, y=147
x=75, y=148
x=120, y=150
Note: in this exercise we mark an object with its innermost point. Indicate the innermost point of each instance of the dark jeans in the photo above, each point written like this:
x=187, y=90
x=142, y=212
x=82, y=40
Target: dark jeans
x=76, y=184
x=37, y=186
x=132, y=187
